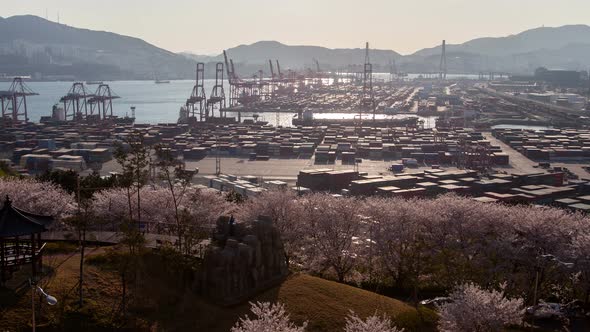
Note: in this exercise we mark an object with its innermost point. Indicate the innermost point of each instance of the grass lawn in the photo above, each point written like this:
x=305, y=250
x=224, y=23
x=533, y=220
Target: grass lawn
x=101, y=292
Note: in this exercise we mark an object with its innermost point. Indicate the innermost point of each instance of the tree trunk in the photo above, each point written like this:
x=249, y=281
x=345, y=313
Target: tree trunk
x=138, y=206
x=82, y=248
x=176, y=214
x=123, y=293
x=129, y=202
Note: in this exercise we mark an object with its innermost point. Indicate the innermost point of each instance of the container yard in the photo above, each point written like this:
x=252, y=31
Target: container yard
x=518, y=188
x=549, y=144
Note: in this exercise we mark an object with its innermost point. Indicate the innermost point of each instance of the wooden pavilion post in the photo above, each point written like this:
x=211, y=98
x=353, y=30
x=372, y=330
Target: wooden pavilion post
x=40, y=258
x=33, y=266
x=17, y=248
x=2, y=262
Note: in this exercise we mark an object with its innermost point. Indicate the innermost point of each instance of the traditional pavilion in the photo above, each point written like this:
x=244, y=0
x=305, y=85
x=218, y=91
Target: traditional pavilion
x=20, y=240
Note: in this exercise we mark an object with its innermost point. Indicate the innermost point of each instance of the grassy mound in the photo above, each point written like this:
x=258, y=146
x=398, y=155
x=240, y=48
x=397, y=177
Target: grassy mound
x=322, y=303
x=326, y=303
x=161, y=305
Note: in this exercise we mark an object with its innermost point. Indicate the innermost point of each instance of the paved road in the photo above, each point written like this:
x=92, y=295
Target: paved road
x=575, y=168
x=285, y=169
x=106, y=237
x=518, y=162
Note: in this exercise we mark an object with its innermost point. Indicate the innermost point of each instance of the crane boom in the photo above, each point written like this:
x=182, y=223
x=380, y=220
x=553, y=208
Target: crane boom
x=272, y=72
x=279, y=69
x=233, y=69
x=227, y=67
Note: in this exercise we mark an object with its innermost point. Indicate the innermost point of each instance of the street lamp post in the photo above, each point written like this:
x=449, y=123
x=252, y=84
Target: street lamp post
x=48, y=298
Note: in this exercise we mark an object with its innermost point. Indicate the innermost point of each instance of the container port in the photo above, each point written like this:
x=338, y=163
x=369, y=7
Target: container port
x=350, y=134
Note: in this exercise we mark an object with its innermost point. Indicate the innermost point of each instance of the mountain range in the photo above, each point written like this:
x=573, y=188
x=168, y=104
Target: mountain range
x=30, y=45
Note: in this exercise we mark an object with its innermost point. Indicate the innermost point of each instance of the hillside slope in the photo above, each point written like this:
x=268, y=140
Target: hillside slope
x=322, y=303
x=303, y=56
x=166, y=307
x=533, y=40
x=30, y=45
x=565, y=47
x=38, y=45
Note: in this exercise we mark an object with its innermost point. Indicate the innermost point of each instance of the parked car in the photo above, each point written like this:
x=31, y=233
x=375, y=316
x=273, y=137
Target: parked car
x=546, y=310
x=435, y=302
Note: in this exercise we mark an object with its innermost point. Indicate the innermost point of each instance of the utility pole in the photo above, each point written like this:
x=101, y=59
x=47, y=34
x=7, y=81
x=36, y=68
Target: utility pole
x=443, y=62
x=367, y=98
x=81, y=240
x=217, y=157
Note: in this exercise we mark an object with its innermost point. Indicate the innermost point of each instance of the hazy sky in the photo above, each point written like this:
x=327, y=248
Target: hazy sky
x=206, y=27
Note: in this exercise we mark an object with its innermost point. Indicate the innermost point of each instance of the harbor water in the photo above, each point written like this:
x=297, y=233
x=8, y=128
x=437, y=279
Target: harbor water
x=154, y=103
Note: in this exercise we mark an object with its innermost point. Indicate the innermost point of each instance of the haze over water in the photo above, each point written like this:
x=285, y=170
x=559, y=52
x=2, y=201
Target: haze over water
x=155, y=103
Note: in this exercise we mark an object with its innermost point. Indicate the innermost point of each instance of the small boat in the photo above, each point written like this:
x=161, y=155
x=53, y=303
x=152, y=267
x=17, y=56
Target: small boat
x=94, y=82
x=161, y=81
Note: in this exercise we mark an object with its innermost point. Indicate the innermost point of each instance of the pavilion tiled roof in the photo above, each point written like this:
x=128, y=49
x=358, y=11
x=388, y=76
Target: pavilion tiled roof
x=17, y=222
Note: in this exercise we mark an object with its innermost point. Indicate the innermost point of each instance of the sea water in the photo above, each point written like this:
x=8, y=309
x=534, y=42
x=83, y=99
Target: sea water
x=154, y=103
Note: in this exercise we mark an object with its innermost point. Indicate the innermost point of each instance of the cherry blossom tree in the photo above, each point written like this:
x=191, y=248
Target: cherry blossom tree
x=177, y=179
x=371, y=324
x=156, y=205
x=406, y=243
x=286, y=212
x=198, y=209
x=333, y=227
x=475, y=309
x=37, y=197
x=134, y=159
x=268, y=318
x=402, y=243
x=581, y=257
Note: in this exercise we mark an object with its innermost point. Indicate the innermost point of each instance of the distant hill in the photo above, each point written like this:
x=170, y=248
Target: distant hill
x=35, y=45
x=299, y=57
x=30, y=45
x=566, y=47
x=533, y=40
x=303, y=56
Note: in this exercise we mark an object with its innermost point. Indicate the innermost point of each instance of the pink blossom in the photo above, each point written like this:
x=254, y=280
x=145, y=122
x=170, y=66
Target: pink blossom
x=201, y=206
x=286, y=211
x=475, y=309
x=37, y=197
x=268, y=318
x=371, y=324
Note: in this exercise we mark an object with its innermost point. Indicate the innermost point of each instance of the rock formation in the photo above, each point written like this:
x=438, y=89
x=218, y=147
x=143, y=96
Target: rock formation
x=242, y=261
